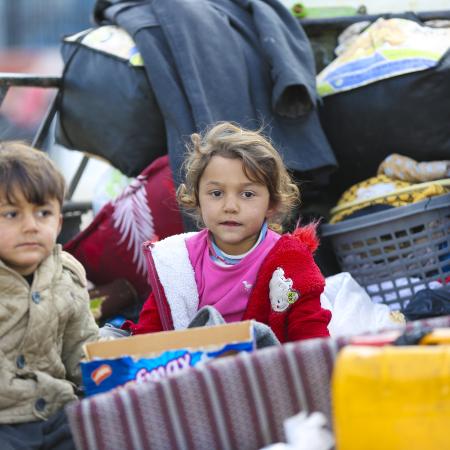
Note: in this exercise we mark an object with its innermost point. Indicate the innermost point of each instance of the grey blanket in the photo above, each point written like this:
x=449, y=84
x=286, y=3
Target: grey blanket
x=246, y=61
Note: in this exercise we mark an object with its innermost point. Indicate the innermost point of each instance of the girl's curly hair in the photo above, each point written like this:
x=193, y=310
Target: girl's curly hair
x=261, y=164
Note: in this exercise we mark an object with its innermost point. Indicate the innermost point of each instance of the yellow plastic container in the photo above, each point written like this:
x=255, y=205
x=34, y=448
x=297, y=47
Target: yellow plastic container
x=392, y=398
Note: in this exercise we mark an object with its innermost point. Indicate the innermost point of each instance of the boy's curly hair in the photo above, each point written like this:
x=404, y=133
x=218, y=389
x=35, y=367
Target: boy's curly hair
x=31, y=172
x=261, y=163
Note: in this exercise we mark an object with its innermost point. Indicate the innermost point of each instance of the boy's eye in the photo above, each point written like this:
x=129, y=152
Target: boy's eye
x=248, y=194
x=44, y=213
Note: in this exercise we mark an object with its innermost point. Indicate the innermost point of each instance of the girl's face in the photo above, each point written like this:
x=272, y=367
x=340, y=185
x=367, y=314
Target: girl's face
x=28, y=232
x=232, y=206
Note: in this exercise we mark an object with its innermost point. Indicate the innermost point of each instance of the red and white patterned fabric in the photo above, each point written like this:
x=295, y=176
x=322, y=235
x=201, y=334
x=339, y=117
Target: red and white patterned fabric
x=111, y=246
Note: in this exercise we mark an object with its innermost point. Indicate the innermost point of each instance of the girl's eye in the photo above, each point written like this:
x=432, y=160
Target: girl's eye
x=248, y=194
x=215, y=194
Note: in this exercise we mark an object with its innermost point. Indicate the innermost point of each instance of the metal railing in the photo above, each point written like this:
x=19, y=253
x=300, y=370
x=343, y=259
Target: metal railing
x=9, y=80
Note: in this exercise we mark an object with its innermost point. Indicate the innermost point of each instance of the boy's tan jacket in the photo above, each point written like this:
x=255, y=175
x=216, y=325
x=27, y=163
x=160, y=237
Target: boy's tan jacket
x=42, y=332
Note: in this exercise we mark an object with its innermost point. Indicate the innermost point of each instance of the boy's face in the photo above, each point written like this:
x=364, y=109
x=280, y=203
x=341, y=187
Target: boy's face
x=28, y=232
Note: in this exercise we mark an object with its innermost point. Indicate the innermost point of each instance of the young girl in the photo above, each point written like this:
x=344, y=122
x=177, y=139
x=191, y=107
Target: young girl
x=240, y=191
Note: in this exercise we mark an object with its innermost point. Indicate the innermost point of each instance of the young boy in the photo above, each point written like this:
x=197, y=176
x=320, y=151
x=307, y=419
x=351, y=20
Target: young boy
x=44, y=305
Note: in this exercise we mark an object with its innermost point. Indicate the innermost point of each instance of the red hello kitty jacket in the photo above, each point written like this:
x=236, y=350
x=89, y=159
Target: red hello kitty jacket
x=286, y=295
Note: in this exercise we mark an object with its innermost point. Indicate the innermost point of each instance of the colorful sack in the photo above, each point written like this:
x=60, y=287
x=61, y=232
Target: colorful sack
x=387, y=94
x=383, y=190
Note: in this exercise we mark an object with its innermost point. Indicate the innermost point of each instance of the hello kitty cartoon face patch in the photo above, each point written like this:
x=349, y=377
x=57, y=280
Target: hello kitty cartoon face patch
x=281, y=293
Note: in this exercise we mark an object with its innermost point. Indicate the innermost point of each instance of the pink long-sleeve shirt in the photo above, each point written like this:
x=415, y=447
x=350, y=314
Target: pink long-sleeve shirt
x=226, y=288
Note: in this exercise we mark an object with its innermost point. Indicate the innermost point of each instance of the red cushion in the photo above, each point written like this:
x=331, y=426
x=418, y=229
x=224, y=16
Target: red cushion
x=111, y=246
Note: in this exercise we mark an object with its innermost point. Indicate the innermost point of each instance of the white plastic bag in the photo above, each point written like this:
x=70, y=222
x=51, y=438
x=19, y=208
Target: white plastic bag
x=305, y=432
x=353, y=311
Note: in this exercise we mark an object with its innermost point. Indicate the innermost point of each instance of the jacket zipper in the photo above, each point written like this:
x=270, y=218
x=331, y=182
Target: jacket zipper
x=157, y=289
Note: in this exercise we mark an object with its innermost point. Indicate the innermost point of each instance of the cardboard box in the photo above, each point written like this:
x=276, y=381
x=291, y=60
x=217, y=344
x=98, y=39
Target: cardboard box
x=150, y=357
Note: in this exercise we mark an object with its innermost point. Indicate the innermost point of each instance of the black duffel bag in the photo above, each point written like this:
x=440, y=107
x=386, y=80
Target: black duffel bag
x=407, y=114
x=106, y=105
